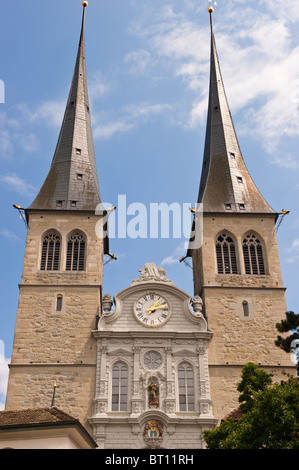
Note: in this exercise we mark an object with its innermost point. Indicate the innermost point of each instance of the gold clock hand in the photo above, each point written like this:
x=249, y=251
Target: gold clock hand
x=153, y=307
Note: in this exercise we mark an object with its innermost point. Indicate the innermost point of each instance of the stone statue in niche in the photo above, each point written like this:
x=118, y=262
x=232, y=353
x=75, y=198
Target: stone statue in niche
x=153, y=391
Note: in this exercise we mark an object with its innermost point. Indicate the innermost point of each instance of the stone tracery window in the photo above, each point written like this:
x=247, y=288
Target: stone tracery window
x=75, y=258
x=253, y=255
x=226, y=255
x=152, y=360
x=119, y=387
x=186, y=387
x=50, y=257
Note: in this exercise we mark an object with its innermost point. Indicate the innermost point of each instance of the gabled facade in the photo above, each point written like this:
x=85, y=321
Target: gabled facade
x=152, y=385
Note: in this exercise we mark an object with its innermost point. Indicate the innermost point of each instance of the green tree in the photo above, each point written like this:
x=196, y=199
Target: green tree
x=270, y=415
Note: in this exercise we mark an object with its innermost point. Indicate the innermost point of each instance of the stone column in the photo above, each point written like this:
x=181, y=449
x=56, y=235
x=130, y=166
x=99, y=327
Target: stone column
x=136, y=398
x=170, y=385
x=101, y=400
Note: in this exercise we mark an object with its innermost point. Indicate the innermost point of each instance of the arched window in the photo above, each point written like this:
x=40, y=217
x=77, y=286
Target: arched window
x=75, y=257
x=226, y=255
x=253, y=255
x=119, y=387
x=50, y=252
x=186, y=387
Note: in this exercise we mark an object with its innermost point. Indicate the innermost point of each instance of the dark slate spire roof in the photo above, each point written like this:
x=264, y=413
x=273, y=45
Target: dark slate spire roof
x=226, y=185
x=72, y=181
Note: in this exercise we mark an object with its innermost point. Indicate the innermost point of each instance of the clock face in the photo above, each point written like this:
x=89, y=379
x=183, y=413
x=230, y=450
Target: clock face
x=152, y=310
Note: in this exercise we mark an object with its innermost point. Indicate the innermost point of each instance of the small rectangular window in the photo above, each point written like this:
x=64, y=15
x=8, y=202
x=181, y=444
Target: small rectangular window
x=79, y=176
x=245, y=308
x=59, y=204
x=240, y=179
x=59, y=303
x=233, y=155
x=242, y=207
x=78, y=151
x=73, y=203
x=228, y=207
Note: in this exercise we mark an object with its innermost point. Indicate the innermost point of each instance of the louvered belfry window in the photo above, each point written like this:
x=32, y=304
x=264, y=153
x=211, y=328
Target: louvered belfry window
x=75, y=258
x=50, y=252
x=226, y=255
x=253, y=255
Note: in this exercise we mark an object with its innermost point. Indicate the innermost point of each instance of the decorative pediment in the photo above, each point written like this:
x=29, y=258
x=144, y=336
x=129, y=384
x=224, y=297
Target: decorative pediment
x=120, y=352
x=185, y=352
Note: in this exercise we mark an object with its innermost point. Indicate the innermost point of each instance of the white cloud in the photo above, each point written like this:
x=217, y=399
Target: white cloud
x=12, y=237
x=138, y=61
x=51, y=112
x=169, y=260
x=107, y=130
x=175, y=256
x=259, y=58
x=98, y=86
x=4, y=372
x=295, y=245
x=13, y=133
x=6, y=145
x=132, y=116
x=17, y=184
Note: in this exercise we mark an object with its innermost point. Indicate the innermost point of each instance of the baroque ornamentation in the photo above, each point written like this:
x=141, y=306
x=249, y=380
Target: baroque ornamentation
x=150, y=272
x=153, y=429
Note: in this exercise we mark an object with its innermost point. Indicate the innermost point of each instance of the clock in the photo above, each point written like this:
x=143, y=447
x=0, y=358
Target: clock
x=152, y=310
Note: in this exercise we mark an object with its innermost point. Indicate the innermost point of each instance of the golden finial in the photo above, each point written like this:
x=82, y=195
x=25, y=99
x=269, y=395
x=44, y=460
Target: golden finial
x=85, y=4
x=210, y=10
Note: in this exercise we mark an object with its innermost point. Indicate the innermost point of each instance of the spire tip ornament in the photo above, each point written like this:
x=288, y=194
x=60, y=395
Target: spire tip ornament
x=210, y=10
x=85, y=4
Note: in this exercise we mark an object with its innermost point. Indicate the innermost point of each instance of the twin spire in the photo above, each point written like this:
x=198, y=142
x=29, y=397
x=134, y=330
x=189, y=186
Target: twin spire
x=226, y=185
x=72, y=181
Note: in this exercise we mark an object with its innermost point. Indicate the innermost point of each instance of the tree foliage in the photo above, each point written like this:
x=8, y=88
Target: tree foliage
x=270, y=415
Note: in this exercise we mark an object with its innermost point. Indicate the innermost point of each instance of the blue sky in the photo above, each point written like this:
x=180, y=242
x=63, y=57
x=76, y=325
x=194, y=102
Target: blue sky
x=148, y=67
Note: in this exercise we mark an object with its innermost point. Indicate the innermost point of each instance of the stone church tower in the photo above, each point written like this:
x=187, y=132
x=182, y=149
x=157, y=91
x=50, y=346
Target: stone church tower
x=61, y=287
x=237, y=269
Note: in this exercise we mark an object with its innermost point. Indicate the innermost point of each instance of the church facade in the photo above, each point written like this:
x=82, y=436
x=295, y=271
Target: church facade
x=152, y=383
x=150, y=368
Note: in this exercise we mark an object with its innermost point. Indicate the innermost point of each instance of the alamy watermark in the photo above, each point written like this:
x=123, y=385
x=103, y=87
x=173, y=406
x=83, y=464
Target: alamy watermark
x=157, y=220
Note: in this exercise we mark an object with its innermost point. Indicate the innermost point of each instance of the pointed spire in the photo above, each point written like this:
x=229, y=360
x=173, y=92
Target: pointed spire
x=72, y=181
x=226, y=185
